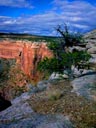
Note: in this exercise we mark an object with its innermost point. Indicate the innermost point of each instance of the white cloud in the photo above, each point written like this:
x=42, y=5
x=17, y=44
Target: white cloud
x=9, y=22
x=80, y=26
x=79, y=15
x=16, y=3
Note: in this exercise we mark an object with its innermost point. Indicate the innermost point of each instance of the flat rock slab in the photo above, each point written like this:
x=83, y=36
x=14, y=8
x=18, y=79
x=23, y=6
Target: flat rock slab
x=83, y=86
x=39, y=121
x=20, y=115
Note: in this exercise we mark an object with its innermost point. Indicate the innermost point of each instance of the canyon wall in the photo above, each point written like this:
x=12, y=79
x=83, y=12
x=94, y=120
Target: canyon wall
x=27, y=54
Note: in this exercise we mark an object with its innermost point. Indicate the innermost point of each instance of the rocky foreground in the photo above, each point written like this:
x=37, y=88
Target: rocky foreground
x=54, y=104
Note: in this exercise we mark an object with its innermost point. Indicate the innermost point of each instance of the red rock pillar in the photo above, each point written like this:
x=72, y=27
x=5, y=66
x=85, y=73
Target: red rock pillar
x=25, y=59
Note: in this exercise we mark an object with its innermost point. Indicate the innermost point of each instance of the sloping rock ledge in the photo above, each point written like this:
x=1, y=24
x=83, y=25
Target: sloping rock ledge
x=20, y=115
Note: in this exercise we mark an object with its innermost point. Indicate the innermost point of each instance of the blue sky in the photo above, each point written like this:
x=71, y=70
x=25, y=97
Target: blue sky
x=42, y=16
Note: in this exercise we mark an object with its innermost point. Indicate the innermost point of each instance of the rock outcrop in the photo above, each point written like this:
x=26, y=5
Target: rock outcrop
x=20, y=115
x=85, y=85
x=91, y=45
x=27, y=54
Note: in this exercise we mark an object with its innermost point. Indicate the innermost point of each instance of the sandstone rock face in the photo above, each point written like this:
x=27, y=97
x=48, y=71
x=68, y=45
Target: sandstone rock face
x=27, y=54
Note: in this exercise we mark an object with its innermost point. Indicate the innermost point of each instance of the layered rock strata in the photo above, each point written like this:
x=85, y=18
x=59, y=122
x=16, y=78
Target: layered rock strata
x=27, y=54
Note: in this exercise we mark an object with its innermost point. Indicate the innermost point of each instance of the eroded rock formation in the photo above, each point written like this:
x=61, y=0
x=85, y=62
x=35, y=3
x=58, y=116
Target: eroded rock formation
x=27, y=54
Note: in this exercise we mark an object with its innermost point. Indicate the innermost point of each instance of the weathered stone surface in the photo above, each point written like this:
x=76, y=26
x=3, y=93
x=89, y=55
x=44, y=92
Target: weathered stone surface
x=91, y=35
x=27, y=54
x=58, y=76
x=92, y=50
x=78, y=48
x=92, y=60
x=20, y=115
x=90, y=38
x=80, y=72
x=90, y=45
x=83, y=86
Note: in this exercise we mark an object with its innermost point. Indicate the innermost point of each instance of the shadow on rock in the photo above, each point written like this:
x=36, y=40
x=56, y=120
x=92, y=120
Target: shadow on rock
x=4, y=103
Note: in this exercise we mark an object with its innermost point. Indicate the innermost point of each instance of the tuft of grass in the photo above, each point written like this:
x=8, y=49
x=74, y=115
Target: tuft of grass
x=55, y=95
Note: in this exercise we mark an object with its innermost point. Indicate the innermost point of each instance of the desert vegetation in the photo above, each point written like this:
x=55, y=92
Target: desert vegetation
x=12, y=79
x=64, y=57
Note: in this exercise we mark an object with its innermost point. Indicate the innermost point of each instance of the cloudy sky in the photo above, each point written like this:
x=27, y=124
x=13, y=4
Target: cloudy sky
x=42, y=16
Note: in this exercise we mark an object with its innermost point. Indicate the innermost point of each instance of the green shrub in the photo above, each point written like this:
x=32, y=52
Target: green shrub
x=64, y=59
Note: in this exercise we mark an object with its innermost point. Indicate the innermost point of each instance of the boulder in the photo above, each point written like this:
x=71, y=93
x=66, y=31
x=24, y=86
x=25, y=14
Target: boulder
x=93, y=55
x=58, y=76
x=75, y=71
x=78, y=48
x=90, y=45
x=92, y=50
x=92, y=60
x=54, y=76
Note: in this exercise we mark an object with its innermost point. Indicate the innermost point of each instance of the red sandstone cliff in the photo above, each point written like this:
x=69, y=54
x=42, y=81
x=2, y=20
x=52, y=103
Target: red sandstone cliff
x=27, y=54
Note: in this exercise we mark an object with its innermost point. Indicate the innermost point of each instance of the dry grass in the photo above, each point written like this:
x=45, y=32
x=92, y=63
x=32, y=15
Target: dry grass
x=80, y=111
